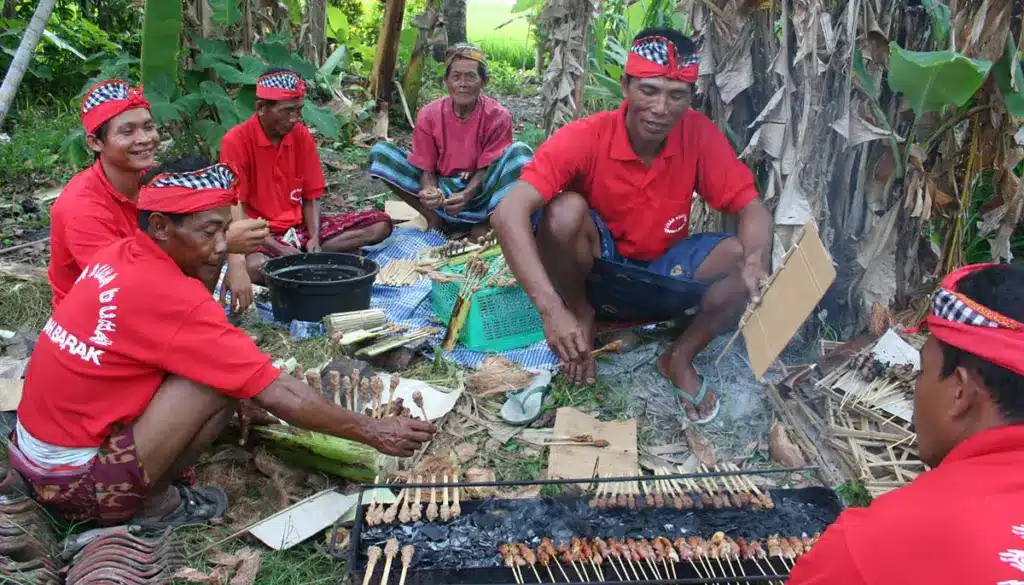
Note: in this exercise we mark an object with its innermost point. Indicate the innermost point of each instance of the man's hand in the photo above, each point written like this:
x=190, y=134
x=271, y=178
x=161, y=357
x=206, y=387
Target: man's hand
x=755, y=277
x=432, y=197
x=456, y=203
x=400, y=436
x=237, y=282
x=313, y=245
x=246, y=235
x=569, y=339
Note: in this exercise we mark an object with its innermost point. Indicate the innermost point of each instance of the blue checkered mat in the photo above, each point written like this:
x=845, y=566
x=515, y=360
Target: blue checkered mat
x=410, y=305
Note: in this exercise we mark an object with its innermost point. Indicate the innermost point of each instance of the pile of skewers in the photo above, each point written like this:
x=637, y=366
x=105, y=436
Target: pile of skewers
x=735, y=491
x=390, y=551
x=655, y=559
x=458, y=251
x=408, y=507
x=366, y=395
x=396, y=341
x=399, y=273
x=476, y=271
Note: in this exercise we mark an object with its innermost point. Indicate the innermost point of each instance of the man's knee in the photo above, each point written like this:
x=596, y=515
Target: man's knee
x=194, y=394
x=379, y=231
x=564, y=217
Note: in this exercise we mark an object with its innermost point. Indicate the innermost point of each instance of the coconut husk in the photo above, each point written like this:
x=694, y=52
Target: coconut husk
x=497, y=375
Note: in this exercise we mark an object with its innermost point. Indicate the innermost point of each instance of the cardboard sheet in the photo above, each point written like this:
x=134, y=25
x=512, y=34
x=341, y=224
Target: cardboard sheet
x=10, y=394
x=794, y=291
x=404, y=215
x=297, y=523
x=618, y=459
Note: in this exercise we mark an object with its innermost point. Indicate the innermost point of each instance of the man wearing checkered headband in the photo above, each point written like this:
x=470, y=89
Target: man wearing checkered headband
x=962, y=522
x=607, y=200
x=139, y=370
x=281, y=180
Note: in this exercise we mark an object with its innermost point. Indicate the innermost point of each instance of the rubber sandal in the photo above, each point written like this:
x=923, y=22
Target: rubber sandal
x=525, y=406
x=698, y=399
x=198, y=506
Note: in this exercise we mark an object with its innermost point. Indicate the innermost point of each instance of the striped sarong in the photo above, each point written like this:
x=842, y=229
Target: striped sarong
x=391, y=164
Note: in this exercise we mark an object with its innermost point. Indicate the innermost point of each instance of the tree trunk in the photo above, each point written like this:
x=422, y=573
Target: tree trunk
x=454, y=14
x=8, y=11
x=22, y=58
x=316, y=29
x=412, y=80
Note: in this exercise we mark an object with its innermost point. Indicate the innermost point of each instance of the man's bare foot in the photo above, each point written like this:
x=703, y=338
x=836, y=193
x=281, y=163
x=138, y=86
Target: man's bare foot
x=160, y=505
x=585, y=371
x=684, y=377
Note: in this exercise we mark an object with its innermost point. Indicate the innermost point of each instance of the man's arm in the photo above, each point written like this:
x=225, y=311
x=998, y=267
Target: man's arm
x=755, y=233
x=311, y=219
x=457, y=202
x=301, y=406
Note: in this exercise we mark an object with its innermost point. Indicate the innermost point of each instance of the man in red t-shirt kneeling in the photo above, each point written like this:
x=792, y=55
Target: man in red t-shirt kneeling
x=282, y=182
x=139, y=370
x=613, y=191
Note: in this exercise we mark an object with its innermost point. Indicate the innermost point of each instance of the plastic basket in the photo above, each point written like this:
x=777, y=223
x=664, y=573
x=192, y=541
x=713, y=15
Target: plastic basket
x=499, y=318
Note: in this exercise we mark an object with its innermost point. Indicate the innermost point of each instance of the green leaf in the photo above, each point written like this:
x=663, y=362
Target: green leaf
x=74, y=150
x=211, y=132
x=524, y=5
x=212, y=48
x=225, y=12
x=232, y=75
x=215, y=95
x=337, y=24
x=275, y=53
x=338, y=60
x=208, y=60
x=189, y=104
x=161, y=39
x=252, y=66
x=163, y=85
x=941, y=20
x=860, y=72
x=323, y=120
x=1013, y=97
x=932, y=80
x=245, y=101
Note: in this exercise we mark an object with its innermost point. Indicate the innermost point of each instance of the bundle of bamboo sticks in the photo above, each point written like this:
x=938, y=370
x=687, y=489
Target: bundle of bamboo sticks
x=476, y=273
x=341, y=323
x=683, y=494
x=399, y=273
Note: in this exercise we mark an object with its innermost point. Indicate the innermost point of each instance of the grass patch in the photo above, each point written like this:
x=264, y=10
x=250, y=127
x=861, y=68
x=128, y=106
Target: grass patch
x=24, y=304
x=854, y=493
x=32, y=155
x=612, y=402
x=278, y=344
x=440, y=371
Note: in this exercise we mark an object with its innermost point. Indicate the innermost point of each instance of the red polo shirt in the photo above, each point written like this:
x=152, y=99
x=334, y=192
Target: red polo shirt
x=274, y=180
x=958, y=524
x=647, y=209
x=89, y=215
x=131, y=319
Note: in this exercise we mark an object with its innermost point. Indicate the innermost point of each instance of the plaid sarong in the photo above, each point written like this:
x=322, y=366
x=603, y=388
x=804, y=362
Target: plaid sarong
x=391, y=164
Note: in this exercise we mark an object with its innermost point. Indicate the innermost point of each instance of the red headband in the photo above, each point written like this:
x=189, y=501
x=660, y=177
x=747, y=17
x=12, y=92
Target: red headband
x=657, y=57
x=967, y=325
x=280, y=86
x=190, y=192
x=108, y=99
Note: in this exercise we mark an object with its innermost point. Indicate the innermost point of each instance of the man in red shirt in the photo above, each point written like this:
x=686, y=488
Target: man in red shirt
x=138, y=370
x=613, y=192
x=97, y=207
x=282, y=182
x=962, y=522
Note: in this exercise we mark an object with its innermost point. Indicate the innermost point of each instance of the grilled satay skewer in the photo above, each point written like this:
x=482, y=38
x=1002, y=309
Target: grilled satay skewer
x=725, y=551
x=373, y=501
x=631, y=496
x=649, y=555
x=686, y=554
x=334, y=381
x=717, y=490
x=405, y=514
x=564, y=551
x=417, y=399
x=705, y=499
x=545, y=561
x=549, y=548
x=734, y=495
x=432, y=507
x=392, y=511
x=446, y=511
x=456, y=506
x=742, y=492
x=620, y=498
x=595, y=502
x=601, y=547
x=576, y=551
x=636, y=557
x=407, y=552
x=615, y=551
x=346, y=386
x=701, y=551
x=372, y=555
x=764, y=499
x=417, y=506
x=648, y=494
x=531, y=559
x=624, y=557
x=588, y=557
x=661, y=556
x=676, y=493
x=663, y=547
x=510, y=561
x=390, y=550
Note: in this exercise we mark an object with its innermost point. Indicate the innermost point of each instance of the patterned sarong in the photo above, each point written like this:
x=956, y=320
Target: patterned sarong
x=110, y=488
x=391, y=164
x=330, y=226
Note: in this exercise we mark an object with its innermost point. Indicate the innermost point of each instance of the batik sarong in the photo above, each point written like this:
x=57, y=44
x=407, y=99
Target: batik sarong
x=330, y=226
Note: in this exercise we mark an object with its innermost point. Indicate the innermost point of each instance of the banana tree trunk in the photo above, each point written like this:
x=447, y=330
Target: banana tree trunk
x=161, y=39
x=316, y=27
x=412, y=80
x=22, y=58
x=454, y=12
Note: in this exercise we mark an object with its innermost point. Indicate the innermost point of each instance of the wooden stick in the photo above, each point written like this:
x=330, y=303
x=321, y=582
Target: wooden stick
x=390, y=550
x=407, y=552
x=560, y=569
x=432, y=507
x=456, y=506
x=373, y=555
x=446, y=512
x=417, y=508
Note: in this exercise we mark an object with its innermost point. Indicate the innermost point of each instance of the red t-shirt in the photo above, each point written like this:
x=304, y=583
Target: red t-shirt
x=274, y=180
x=959, y=524
x=89, y=215
x=132, y=319
x=646, y=209
x=446, y=145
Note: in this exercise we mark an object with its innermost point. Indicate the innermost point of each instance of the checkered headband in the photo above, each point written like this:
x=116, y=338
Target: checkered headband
x=657, y=57
x=107, y=100
x=280, y=86
x=190, y=192
x=954, y=307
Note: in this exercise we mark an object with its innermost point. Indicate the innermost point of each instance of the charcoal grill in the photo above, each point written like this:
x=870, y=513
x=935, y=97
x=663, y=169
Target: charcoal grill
x=465, y=551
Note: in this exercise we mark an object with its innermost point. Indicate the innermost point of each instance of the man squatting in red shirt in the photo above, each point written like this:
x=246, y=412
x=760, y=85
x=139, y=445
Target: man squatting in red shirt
x=281, y=179
x=97, y=207
x=139, y=370
x=618, y=186
x=962, y=523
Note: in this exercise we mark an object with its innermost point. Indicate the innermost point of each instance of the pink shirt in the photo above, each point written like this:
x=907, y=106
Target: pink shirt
x=446, y=145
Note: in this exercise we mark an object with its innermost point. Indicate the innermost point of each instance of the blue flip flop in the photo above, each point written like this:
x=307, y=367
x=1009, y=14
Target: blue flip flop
x=698, y=399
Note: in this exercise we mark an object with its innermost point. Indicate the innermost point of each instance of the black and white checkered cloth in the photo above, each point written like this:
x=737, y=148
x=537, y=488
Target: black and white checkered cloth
x=217, y=176
x=947, y=305
x=103, y=93
x=280, y=80
x=655, y=49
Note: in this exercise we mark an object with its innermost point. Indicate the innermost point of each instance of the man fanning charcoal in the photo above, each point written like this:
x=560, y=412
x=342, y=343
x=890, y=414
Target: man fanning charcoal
x=963, y=521
x=138, y=370
x=97, y=207
x=281, y=180
x=616, y=187
x=463, y=160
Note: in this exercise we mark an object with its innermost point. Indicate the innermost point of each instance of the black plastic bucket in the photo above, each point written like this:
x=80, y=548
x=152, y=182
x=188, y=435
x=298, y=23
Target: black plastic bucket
x=308, y=287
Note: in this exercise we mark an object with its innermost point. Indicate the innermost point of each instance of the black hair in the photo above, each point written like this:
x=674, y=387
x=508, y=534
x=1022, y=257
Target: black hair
x=182, y=165
x=480, y=67
x=684, y=44
x=1000, y=288
x=101, y=132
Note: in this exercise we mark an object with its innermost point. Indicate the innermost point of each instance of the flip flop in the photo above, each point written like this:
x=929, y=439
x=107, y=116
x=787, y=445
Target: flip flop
x=698, y=399
x=525, y=406
x=198, y=506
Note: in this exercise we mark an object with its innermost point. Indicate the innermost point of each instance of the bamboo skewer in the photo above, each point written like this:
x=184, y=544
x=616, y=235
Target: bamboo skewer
x=405, y=514
x=407, y=552
x=446, y=511
x=334, y=379
x=456, y=507
x=392, y=511
x=417, y=508
x=372, y=555
x=350, y=403
x=432, y=507
x=417, y=399
x=390, y=550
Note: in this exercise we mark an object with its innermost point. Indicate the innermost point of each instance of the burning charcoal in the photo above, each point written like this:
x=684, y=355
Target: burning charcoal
x=407, y=552
x=372, y=556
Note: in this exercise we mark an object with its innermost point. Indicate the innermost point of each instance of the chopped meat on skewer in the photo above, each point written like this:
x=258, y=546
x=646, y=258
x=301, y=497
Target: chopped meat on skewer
x=649, y=498
x=787, y=550
x=530, y=559
x=758, y=549
x=737, y=501
x=766, y=501
x=774, y=550
x=797, y=545
x=659, y=500
x=708, y=501
x=620, y=500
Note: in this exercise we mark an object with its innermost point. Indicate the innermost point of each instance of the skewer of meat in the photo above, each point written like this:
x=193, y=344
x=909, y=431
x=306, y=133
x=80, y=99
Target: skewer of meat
x=670, y=552
x=714, y=551
x=648, y=555
x=686, y=554
x=407, y=552
x=622, y=553
x=446, y=511
x=648, y=494
x=567, y=558
x=578, y=550
x=550, y=549
x=510, y=561
x=372, y=556
x=596, y=502
x=405, y=514
x=417, y=506
x=432, y=507
x=702, y=551
x=734, y=495
x=606, y=555
x=701, y=499
x=764, y=499
x=635, y=556
x=392, y=511
x=633, y=496
x=620, y=499
x=735, y=547
x=373, y=501
x=748, y=497
x=531, y=559
x=680, y=501
x=390, y=550
x=615, y=552
x=727, y=550
x=723, y=494
x=545, y=561
x=662, y=547
x=456, y=506
x=658, y=500
x=787, y=552
x=588, y=556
